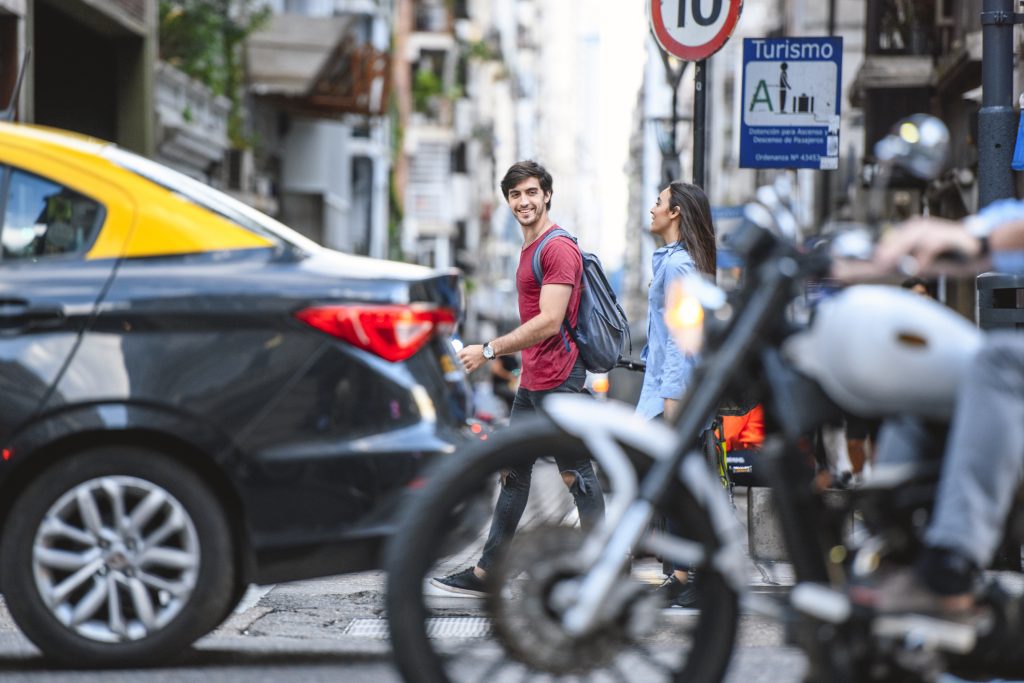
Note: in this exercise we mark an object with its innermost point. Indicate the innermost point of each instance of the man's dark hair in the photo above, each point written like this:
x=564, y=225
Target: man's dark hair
x=520, y=171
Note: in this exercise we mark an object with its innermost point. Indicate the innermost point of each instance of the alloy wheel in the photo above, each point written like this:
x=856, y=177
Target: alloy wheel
x=116, y=558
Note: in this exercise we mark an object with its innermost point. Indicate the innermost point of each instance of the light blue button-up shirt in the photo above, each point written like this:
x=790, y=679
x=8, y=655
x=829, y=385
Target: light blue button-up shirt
x=668, y=368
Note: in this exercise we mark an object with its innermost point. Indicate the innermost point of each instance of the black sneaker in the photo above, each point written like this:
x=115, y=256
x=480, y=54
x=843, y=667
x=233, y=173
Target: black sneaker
x=676, y=593
x=463, y=583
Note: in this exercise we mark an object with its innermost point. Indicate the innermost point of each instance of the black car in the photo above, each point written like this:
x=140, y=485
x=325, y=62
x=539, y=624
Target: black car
x=194, y=398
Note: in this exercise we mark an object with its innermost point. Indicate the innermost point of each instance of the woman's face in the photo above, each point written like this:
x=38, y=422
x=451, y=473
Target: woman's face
x=663, y=218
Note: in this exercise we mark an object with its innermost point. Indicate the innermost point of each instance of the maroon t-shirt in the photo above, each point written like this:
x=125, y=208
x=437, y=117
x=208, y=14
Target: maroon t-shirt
x=548, y=363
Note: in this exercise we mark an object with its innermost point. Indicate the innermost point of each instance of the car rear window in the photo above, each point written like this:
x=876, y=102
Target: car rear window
x=203, y=195
x=44, y=219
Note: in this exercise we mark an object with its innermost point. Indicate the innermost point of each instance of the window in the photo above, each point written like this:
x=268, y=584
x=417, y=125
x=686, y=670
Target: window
x=42, y=218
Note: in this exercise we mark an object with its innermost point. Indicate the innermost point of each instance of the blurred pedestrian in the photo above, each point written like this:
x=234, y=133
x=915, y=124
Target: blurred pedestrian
x=551, y=363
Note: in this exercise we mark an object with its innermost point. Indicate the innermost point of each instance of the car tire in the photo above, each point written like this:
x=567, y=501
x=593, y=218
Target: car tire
x=91, y=591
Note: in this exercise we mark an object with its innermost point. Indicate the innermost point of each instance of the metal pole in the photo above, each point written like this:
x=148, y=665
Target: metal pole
x=997, y=127
x=670, y=169
x=671, y=161
x=699, y=116
x=826, y=177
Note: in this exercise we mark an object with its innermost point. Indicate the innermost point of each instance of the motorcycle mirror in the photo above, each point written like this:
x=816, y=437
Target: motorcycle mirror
x=918, y=144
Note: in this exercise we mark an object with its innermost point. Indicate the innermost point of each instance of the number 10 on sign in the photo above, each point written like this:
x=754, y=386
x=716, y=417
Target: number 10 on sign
x=694, y=9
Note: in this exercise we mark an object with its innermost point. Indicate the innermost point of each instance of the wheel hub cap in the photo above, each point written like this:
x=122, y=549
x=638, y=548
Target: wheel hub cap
x=116, y=558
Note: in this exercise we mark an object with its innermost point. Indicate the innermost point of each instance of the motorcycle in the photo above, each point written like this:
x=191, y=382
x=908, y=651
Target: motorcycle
x=564, y=604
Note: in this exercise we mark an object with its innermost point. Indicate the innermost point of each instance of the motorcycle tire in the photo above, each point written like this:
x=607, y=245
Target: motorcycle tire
x=438, y=510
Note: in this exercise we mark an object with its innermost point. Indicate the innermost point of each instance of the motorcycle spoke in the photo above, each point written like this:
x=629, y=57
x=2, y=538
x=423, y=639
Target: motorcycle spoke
x=647, y=655
x=500, y=663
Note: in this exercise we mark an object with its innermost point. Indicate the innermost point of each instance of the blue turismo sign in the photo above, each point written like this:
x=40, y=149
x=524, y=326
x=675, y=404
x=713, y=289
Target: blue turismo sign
x=791, y=93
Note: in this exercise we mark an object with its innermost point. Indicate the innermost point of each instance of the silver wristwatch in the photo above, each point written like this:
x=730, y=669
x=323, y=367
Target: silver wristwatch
x=488, y=351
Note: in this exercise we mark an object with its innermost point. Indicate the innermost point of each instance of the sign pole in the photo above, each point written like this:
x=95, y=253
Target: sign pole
x=997, y=127
x=700, y=88
x=691, y=31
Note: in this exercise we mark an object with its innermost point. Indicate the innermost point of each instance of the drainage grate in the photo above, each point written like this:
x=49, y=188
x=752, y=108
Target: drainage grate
x=438, y=627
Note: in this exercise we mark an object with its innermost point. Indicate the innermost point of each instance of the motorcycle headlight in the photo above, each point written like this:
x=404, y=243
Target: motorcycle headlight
x=686, y=302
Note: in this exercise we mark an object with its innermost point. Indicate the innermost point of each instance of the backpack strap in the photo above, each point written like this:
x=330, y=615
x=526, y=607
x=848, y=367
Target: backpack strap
x=557, y=232
x=537, y=272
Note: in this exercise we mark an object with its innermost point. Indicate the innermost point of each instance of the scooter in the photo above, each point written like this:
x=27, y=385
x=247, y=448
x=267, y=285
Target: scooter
x=565, y=604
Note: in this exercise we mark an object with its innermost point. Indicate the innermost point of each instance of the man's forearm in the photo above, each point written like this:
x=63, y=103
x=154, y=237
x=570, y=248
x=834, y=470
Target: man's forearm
x=534, y=330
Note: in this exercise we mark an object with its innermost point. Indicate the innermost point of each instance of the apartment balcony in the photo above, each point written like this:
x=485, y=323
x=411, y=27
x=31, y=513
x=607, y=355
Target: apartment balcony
x=313, y=66
x=192, y=122
x=881, y=72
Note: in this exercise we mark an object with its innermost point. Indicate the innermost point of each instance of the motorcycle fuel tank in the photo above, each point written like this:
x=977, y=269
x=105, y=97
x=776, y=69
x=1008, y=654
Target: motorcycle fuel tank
x=880, y=350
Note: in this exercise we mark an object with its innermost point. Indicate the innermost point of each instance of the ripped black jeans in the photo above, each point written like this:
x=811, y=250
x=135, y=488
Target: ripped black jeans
x=515, y=484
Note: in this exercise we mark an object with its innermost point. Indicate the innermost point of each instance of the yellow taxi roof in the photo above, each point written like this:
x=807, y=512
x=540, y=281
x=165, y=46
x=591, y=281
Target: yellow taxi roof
x=144, y=217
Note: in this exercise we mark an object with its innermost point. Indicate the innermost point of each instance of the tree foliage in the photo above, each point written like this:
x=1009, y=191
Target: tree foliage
x=204, y=38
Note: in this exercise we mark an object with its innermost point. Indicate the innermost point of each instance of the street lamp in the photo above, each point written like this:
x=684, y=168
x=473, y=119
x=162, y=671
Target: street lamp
x=665, y=128
x=665, y=132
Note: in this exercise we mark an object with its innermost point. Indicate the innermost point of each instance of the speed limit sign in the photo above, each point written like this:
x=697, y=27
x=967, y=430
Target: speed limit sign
x=693, y=30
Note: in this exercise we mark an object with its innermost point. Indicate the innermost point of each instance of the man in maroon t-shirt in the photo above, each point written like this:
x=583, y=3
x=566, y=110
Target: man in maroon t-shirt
x=551, y=362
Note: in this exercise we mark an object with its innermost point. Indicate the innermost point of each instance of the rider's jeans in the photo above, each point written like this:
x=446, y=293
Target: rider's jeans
x=515, y=484
x=984, y=460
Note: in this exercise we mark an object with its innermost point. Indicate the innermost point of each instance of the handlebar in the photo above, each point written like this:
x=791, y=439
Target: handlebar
x=631, y=364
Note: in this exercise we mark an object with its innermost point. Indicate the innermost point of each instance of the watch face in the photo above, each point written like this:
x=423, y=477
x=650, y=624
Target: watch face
x=488, y=351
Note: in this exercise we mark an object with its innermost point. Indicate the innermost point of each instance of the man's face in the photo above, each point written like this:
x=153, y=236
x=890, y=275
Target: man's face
x=528, y=202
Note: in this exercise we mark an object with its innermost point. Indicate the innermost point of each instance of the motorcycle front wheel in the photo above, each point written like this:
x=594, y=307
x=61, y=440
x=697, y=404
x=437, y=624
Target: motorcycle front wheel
x=514, y=633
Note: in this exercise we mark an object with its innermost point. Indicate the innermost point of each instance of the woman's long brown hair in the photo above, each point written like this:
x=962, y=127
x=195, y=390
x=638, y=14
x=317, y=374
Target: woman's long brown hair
x=696, y=231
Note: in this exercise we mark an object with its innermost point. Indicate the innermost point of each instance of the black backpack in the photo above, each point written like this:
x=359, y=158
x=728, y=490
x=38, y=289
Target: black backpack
x=601, y=327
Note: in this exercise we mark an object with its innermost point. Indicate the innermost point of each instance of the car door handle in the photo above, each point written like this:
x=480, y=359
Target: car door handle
x=18, y=314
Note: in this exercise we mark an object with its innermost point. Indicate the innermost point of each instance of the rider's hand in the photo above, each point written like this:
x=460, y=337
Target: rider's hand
x=917, y=244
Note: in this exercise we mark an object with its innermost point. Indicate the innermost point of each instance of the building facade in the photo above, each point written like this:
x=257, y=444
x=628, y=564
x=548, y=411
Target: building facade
x=91, y=67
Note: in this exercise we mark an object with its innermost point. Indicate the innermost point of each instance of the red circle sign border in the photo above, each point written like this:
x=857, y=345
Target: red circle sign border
x=695, y=53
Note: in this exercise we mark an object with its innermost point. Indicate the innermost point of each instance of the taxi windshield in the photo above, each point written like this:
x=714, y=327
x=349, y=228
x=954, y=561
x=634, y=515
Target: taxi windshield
x=203, y=195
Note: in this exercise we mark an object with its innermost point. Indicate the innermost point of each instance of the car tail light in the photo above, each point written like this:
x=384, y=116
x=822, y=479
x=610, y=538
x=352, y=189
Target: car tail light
x=393, y=332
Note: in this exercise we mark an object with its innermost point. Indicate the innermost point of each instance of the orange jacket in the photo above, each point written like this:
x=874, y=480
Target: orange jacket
x=744, y=432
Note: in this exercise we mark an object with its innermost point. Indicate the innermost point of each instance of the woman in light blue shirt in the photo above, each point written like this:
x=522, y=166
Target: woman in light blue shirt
x=681, y=217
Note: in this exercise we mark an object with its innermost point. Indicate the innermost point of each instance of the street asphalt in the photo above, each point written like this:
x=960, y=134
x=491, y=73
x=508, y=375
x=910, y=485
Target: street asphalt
x=334, y=629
